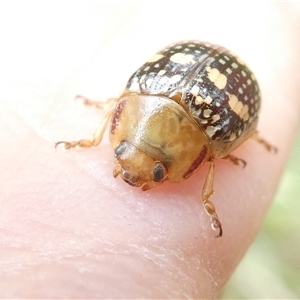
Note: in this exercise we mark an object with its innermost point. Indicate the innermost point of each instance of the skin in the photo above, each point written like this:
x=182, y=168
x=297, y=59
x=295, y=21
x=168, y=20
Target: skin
x=68, y=228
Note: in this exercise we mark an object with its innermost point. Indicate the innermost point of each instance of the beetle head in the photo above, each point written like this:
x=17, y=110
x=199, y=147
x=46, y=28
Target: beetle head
x=137, y=168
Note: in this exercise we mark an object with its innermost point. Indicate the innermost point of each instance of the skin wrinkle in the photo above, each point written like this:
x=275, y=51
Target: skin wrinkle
x=168, y=265
x=135, y=253
x=136, y=250
x=177, y=256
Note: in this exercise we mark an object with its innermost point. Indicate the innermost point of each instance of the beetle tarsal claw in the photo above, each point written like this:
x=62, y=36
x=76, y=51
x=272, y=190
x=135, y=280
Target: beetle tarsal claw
x=66, y=145
x=237, y=161
x=216, y=224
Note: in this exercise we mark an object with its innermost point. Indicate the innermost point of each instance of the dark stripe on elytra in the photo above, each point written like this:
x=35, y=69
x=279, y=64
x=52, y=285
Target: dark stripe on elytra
x=196, y=163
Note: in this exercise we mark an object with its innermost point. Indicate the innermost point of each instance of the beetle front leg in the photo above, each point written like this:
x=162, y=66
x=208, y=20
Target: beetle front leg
x=107, y=105
x=97, y=137
x=207, y=192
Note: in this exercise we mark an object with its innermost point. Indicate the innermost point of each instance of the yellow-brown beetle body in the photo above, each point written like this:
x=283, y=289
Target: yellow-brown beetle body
x=156, y=140
x=190, y=103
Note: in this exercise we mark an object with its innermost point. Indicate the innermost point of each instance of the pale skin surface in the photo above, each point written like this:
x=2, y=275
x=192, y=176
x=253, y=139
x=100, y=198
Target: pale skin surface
x=69, y=229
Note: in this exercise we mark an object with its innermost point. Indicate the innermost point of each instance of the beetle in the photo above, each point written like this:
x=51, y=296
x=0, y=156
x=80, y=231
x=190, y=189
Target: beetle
x=190, y=103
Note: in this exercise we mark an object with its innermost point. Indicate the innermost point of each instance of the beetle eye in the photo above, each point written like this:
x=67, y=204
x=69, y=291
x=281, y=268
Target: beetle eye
x=158, y=173
x=120, y=149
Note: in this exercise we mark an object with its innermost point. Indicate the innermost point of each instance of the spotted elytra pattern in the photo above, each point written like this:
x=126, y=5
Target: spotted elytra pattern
x=215, y=86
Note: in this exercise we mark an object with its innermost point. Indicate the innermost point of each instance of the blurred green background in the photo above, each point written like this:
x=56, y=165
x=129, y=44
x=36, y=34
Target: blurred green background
x=271, y=267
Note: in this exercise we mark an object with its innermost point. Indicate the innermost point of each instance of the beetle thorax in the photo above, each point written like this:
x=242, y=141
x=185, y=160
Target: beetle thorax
x=155, y=140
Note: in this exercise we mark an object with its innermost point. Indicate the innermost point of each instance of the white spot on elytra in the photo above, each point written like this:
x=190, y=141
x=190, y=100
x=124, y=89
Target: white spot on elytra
x=199, y=100
x=211, y=130
x=175, y=79
x=238, y=107
x=234, y=65
x=155, y=57
x=208, y=100
x=207, y=112
x=215, y=118
x=219, y=79
x=182, y=58
x=161, y=72
x=195, y=90
x=228, y=70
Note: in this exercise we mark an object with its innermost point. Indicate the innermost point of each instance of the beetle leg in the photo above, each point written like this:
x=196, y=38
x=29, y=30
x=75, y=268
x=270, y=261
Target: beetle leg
x=207, y=192
x=235, y=160
x=117, y=169
x=267, y=145
x=97, y=137
x=108, y=104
